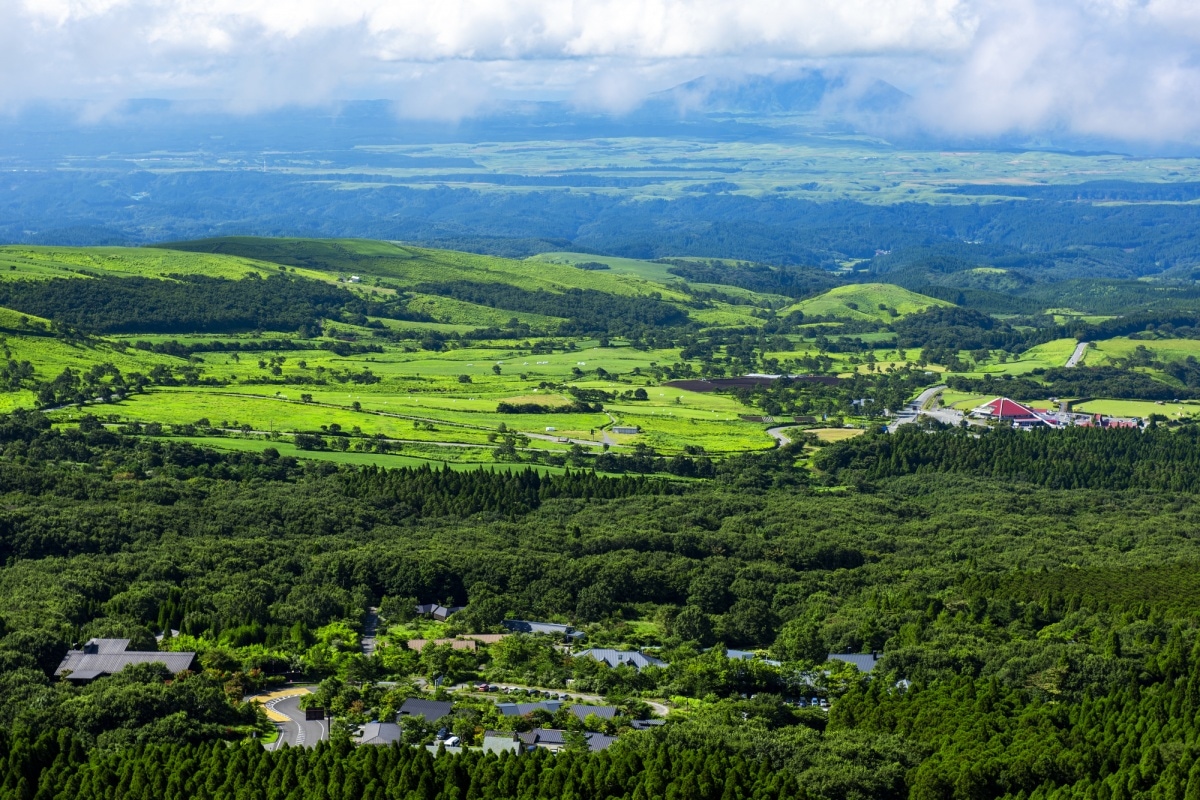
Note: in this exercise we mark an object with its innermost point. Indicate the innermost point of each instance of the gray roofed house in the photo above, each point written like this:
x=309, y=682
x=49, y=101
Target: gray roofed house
x=496, y=742
x=100, y=657
x=603, y=712
x=380, y=733
x=555, y=740
x=646, y=724
x=430, y=710
x=521, y=709
x=864, y=661
x=750, y=655
x=615, y=658
x=545, y=628
x=437, y=611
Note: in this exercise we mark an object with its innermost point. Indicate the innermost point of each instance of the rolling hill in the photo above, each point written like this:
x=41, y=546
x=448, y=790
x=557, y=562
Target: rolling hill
x=866, y=301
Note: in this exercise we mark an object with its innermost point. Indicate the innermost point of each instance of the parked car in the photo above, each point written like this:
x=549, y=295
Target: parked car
x=482, y=687
x=453, y=741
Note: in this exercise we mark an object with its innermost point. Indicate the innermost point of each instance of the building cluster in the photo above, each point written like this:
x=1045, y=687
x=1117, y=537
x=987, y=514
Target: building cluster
x=1018, y=415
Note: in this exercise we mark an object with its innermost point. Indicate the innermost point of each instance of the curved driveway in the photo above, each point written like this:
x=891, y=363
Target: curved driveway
x=296, y=731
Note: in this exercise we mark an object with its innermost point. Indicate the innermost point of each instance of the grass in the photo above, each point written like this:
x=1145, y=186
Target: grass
x=862, y=301
x=1139, y=408
x=1049, y=355
x=835, y=434
x=406, y=266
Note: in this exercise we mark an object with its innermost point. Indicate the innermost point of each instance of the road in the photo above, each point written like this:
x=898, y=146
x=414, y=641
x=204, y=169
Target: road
x=296, y=732
x=777, y=433
x=370, y=626
x=913, y=408
x=1077, y=356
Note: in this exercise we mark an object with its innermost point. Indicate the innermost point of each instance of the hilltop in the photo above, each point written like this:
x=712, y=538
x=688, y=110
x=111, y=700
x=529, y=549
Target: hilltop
x=879, y=302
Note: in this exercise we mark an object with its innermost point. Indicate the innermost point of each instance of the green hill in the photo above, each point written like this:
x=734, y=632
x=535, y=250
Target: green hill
x=409, y=267
x=866, y=301
x=19, y=262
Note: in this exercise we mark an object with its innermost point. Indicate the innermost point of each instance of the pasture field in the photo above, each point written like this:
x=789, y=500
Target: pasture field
x=407, y=267
x=20, y=262
x=862, y=301
x=835, y=434
x=1139, y=408
x=1163, y=349
x=1050, y=355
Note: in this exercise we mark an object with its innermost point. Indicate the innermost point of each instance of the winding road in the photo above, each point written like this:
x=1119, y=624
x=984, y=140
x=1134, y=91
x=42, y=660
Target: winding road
x=295, y=730
x=914, y=407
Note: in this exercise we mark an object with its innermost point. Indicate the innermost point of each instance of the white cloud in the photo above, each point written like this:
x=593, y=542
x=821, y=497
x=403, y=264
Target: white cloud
x=1104, y=68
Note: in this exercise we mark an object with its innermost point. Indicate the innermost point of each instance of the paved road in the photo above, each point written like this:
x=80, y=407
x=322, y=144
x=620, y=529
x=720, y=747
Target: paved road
x=298, y=732
x=915, y=407
x=777, y=433
x=370, y=626
x=1077, y=356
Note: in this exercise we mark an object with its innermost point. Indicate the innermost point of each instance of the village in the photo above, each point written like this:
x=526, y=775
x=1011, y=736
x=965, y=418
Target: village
x=494, y=717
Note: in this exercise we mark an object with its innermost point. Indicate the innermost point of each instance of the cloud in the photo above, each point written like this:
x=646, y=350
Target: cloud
x=1122, y=69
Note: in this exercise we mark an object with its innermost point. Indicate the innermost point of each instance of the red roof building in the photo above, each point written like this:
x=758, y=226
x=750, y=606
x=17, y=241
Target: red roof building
x=1007, y=410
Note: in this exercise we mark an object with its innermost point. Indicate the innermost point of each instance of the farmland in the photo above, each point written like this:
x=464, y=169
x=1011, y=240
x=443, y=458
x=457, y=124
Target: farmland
x=422, y=365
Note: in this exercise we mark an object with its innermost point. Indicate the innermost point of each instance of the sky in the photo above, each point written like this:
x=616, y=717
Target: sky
x=1112, y=69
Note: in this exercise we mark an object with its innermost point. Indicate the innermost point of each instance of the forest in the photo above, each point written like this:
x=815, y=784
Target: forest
x=1036, y=618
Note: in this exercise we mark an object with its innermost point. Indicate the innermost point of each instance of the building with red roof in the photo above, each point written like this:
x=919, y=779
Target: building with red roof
x=1003, y=409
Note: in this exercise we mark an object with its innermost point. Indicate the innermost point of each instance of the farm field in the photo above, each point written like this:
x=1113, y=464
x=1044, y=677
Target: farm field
x=1139, y=408
x=376, y=389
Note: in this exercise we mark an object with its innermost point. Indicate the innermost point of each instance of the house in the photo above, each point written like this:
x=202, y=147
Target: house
x=456, y=644
x=439, y=612
x=615, y=658
x=626, y=429
x=1004, y=410
x=495, y=742
x=750, y=655
x=554, y=740
x=521, y=709
x=603, y=712
x=544, y=628
x=864, y=661
x=483, y=638
x=383, y=733
x=100, y=657
x=429, y=710
x=647, y=724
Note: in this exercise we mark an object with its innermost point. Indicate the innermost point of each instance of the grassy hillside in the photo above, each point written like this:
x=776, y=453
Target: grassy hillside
x=45, y=263
x=408, y=267
x=866, y=301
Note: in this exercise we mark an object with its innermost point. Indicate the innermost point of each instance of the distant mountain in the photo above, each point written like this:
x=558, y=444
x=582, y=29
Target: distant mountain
x=808, y=92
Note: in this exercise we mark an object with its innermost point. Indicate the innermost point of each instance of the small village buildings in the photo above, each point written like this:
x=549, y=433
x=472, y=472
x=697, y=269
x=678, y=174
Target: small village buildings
x=437, y=611
x=864, y=661
x=544, y=628
x=380, y=733
x=429, y=710
x=101, y=657
x=616, y=658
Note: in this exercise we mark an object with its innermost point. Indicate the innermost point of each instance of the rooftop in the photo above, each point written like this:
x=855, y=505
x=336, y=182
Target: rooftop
x=100, y=657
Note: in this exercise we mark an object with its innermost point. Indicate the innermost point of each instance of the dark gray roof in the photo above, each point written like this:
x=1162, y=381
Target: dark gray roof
x=547, y=628
x=380, y=733
x=603, y=712
x=521, y=709
x=614, y=658
x=644, y=724
x=431, y=710
x=864, y=661
x=109, y=656
x=550, y=737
